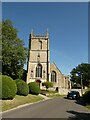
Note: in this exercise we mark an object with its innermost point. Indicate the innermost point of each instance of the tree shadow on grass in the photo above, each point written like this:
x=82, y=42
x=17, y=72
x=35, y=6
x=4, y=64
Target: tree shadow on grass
x=79, y=116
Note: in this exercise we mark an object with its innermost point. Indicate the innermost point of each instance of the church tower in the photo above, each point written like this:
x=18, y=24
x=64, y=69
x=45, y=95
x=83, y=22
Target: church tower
x=39, y=58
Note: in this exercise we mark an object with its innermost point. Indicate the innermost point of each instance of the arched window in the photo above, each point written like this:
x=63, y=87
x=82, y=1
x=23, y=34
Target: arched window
x=39, y=70
x=53, y=76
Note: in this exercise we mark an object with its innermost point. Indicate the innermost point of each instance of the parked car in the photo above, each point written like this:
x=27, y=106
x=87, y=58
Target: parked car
x=73, y=95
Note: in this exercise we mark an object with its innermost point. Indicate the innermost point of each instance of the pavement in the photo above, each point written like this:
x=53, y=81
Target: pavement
x=51, y=108
x=20, y=106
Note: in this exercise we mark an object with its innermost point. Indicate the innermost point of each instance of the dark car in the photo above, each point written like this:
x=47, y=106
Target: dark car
x=73, y=95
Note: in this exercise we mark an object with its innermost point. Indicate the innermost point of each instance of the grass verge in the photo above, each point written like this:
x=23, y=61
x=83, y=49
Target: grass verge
x=48, y=91
x=55, y=95
x=19, y=100
x=51, y=94
x=88, y=106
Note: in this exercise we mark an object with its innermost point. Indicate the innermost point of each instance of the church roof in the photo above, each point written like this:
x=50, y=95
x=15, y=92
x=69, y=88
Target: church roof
x=56, y=67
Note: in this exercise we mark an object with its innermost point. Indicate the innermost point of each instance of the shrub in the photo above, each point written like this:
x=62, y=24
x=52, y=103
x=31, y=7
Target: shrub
x=34, y=88
x=47, y=84
x=9, y=87
x=86, y=96
x=0, y=86
x=22, y=87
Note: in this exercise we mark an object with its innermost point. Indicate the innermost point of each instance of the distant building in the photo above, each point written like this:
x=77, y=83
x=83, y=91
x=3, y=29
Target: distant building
x=39, y=67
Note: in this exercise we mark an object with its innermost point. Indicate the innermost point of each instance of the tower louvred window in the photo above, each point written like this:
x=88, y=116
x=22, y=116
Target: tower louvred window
x=40, y=44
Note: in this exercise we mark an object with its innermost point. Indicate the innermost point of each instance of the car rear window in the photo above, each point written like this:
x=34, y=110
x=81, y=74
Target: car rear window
x=73, y=92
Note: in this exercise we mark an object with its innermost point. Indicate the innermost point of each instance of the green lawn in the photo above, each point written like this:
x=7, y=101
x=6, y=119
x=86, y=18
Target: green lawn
x=19, y=100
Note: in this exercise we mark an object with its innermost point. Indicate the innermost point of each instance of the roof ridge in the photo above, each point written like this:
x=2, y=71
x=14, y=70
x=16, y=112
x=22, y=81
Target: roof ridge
x=57, y=67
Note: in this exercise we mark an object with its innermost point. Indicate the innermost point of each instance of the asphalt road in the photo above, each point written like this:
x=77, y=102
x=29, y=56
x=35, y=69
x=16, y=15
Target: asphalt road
x=52, y=108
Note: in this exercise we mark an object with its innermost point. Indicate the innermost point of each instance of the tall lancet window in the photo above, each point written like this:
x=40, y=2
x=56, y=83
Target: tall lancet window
x=40, y=44
x=39, y=70
x=53, y=76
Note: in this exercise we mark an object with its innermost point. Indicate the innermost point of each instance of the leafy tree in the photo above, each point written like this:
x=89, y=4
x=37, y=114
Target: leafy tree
x=86, y=96
x=14, y=53
x=82, y=70
x=24, y=75
x=0, y=48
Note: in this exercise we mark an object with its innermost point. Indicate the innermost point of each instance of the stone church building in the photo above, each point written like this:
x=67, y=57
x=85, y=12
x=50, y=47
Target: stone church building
x=39, y=67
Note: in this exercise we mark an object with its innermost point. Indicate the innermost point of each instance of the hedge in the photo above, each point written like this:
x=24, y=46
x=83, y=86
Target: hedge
x=34, y=88
x=0, y=86
x=22, y=87
x=9, y=88
x=47, y=84
x=86, y=96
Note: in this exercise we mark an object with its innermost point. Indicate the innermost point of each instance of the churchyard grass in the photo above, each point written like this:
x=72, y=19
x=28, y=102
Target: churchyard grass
x=88, y=106
x=51, y=94
x=48, y=91
x=19, y=100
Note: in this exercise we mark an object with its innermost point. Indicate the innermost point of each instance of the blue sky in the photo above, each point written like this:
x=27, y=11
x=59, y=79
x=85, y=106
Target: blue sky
x=67, y=24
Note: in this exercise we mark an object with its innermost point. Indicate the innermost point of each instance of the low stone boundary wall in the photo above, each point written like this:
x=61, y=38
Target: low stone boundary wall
x=63, y=91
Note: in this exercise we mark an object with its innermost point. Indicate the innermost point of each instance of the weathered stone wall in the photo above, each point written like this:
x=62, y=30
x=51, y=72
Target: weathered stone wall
x=38, y=47
x=64, y=91
x=35, y=44
x=34, y=56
